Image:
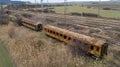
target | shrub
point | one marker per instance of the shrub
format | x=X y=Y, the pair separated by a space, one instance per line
x=4 y=19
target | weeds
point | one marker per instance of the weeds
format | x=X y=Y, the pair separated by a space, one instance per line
x=33 y=49
x=11 y=32
x=4 y=19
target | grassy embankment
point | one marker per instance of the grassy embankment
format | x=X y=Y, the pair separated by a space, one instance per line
x=4 y=58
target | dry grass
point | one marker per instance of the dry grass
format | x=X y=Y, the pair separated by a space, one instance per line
x=33 y=49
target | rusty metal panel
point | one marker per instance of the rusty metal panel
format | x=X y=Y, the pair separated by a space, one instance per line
x=29 y=21
x=80 y=37
x=83 y=46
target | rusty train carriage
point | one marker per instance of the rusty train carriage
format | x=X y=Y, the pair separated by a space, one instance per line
x=31 y=24
x=88 y=44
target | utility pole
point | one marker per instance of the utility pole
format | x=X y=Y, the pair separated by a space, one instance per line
x=48 y=6
x=65 y=9
x=42 y=5
x=43 y=16
x=1 y=9
x=99 y=4
x=35 y=4
x=65 y=6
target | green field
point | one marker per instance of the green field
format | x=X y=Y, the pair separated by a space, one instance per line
x=4 y=58
x=103 y=13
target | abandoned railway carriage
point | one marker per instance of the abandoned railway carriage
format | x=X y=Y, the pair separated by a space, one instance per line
x=35 y=25
x=88 y=44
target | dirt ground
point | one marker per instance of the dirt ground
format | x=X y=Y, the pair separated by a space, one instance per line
x=28 y=48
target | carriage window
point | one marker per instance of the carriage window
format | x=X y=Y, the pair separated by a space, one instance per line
x=97 y=48
x=50 y=31
x=57 y=33
x=86 y=44
x=45 y=29
x=69 y=38
x=92 y=47
x=60 y=34
x=65 y=37
x=53 y=32
x=74 y=40
x=79 y=42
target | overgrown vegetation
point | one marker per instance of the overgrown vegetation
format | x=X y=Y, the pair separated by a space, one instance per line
x=4 y=58
x=4 y=19
x=28 y=48
x=33 y=49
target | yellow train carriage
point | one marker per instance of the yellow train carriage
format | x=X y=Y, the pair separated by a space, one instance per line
x=35 y=25
x=88 y=44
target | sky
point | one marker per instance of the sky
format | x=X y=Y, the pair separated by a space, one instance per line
x=33 y=1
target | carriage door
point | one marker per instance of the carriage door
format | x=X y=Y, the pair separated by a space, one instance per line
x=39 y=27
